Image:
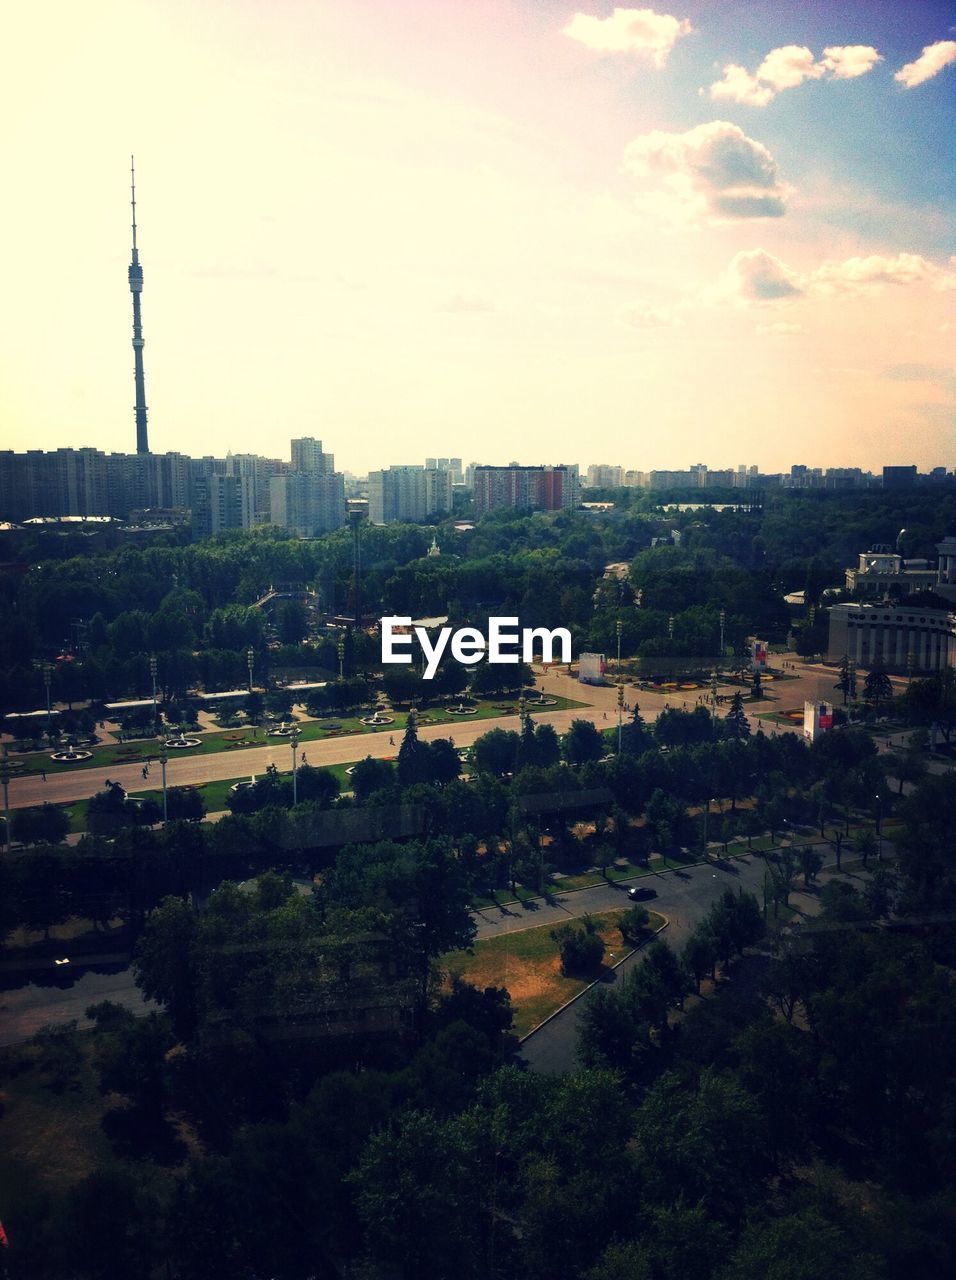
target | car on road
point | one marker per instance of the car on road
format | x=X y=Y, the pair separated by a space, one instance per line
x=638 y=893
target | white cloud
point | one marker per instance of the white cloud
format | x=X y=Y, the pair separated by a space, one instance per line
x=870 y=274
x=740 y=86
x=641 y=31
x=930 y=62
x=757 y=276
x=787 y=67
x=782 y=327
x=848 y=61
x=714 y=169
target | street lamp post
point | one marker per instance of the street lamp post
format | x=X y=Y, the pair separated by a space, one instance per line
x=152 y=672
x=294 y=744
x=670 y=628
x=723 y=619
x=879 y=828
x=340 y=649
x=47 y=677
x=250 y=659
x=163 y=759
x=5 y=781
x=620 y=716
x=706 y=822
x=619 y=627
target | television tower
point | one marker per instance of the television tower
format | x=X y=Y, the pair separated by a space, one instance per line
x=136 y=288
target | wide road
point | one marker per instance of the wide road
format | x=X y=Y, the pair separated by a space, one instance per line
x=600 y=708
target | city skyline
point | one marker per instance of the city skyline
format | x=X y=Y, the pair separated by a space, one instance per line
x=502 y=230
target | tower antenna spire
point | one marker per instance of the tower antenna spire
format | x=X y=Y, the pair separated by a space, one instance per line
x=136 y=288
x=132 y=184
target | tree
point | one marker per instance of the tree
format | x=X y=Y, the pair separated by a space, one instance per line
x=496 y=752
x=580 y=947
x=292 y=622
x=633 y=923
x=111 y=1226
x=700 y=953
x=47 y=824
x=164 y=964
x=736 y=725
x=636 y=738
x=582 y=743
x=877 y=689
x=371 y=775
x=185 y=804
x=415 y=1193
x=864 y=844
x=315 y=786
x=906 y=766
x=810 y=863
x=932 y=702
x=413 y=757
x=130 y=1055
x=444 y=763
x=611 y=1031
x=702 y=1144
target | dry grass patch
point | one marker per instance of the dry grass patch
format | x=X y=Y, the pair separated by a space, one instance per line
x=526 y=962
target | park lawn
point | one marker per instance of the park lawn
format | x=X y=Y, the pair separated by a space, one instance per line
x=528 y=965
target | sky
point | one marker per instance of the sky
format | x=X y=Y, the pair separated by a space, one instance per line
x=718 y=231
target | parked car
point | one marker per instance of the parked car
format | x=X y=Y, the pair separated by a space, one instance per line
x=637 y=893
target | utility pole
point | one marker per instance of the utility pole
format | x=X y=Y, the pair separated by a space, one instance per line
x=163 y=761
x=620 y=716
x=294 y=743
x=47 y=678
x=5 y=782
x=152 y=671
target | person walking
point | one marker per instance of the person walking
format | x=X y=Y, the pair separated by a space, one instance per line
x=43 y=774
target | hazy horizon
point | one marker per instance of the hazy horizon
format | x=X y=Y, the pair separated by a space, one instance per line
x=720 y=232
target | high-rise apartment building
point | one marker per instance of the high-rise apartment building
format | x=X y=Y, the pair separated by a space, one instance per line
x=602 y=476
x=526 y=488
x=308 y=455
x=408 y=493
x=308 y=503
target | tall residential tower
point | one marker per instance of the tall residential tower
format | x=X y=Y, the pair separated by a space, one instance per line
x=136 y=288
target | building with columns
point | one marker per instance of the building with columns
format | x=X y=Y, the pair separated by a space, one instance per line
x=884 y=635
